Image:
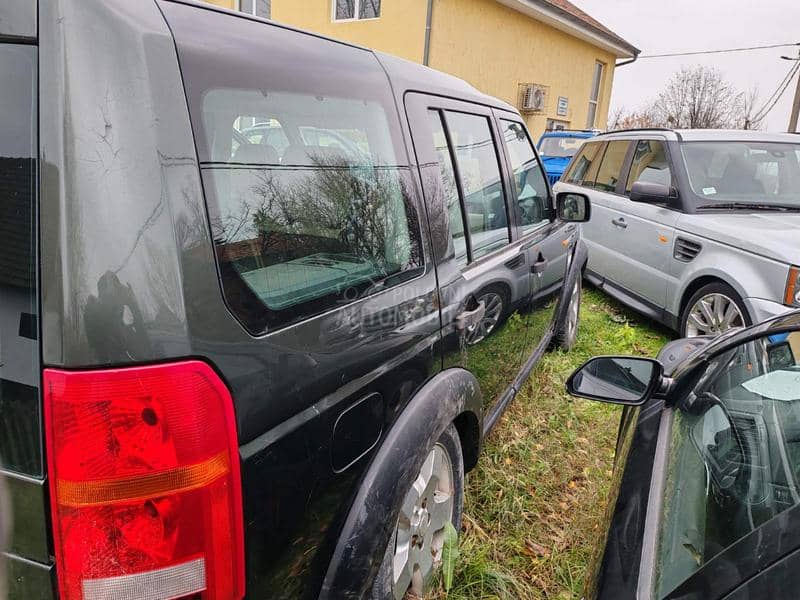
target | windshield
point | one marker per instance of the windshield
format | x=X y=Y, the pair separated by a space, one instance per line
x=753 y=172
x=560 y=147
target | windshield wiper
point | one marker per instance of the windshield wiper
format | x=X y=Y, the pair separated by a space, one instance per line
x=751 y=206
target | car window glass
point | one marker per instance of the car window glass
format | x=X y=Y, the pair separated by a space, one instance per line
x=611 y=166
x=650 y=164
x=560 y=147
x=479 y=169
x=449 y=188
x=318 y=224
x=583 y=168
x=257 y=130
x=744 y=171
x=19 y=301
x=734 y=460
x=530 y=187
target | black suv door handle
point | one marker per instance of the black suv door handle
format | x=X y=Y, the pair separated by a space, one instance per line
x=470 y=318
x=620 y=223
x=540 y=266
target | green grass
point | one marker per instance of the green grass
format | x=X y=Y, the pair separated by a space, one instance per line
x=535 y=502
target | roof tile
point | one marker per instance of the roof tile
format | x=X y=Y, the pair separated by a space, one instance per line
x=572 y=10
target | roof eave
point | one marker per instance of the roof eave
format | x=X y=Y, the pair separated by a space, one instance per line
x=570 y=24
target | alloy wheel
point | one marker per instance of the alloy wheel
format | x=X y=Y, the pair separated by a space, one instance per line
x=712 y=315
x=427 y=508
x=493 y=303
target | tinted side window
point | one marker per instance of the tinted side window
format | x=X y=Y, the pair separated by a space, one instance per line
x=449 y=187
x=650 y=164
x=313 y=225
x=479 y=170
x=583 y=168
x=19 y=347
x=530 y=186
x=733 y=462
x=610 y=168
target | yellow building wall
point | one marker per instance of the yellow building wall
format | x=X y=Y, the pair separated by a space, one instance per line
x=493 y=47
x=400 y=30
x=496 y=48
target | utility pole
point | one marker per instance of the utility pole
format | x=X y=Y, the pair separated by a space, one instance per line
x=795 y=108
x=796 y=105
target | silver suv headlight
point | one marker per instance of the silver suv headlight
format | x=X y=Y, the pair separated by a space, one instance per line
x=792 y=295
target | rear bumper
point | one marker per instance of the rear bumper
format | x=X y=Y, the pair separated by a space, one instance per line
x=762 y=310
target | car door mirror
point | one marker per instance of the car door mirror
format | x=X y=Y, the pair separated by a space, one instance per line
x=572 y=207
x=617 y=379
x=653 y=193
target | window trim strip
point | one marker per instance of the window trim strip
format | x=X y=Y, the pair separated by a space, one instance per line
x=459 y=187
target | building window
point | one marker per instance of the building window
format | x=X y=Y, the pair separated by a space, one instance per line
x=257 y=8
x=350 y=10
x=594 y=96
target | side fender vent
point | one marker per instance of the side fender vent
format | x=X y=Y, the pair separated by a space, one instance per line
x=516 y=262
x=686 y=250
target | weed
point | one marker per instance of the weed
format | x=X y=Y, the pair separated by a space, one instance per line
x=534 y=503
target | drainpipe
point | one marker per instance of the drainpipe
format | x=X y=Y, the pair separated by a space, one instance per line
x=627 y=62
x=428 y=20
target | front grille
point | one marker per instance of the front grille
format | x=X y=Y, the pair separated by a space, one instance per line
x=686 y=250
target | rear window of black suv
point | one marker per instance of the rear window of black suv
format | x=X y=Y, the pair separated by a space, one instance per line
x=320 y=215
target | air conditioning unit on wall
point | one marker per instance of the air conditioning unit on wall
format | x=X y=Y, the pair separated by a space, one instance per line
x=533 y=97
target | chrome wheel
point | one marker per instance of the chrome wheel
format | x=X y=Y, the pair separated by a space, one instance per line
x=494 y=310
x=426 y=509
x=712 y=315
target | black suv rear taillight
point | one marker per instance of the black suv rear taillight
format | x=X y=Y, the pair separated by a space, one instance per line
x=145 y=486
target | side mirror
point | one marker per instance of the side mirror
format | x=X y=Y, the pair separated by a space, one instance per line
x=572 y=207
x=617 y=379
x=653 y=193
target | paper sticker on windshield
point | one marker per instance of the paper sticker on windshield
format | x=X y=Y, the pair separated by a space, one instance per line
x=709 y=191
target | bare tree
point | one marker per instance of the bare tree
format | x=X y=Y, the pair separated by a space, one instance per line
x=695 y=98
x=641 y=119
x=700 y=98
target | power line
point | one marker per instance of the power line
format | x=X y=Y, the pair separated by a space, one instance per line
x=762 y=114
x=780 y=89
x=723 y=51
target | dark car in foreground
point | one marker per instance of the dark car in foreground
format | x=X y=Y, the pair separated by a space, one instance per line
x=236 y=367
x=705 y=497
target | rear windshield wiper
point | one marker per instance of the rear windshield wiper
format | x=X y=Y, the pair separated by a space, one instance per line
x=751 y=206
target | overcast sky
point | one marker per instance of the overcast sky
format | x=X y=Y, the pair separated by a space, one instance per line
x=658 y=27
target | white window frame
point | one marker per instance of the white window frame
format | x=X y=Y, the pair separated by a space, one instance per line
x=595 y=93
x=255 y=9
x=356 y=11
